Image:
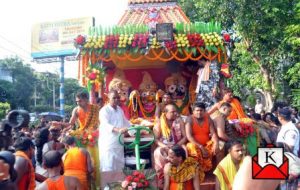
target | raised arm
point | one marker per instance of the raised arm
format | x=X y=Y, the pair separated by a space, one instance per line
x=213 y=109
x=73 y=119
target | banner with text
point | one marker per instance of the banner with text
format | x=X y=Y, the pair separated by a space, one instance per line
x=54 y=39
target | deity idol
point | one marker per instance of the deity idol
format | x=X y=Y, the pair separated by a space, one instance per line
x=122 y=86
x=143 y=102
x=176 y=85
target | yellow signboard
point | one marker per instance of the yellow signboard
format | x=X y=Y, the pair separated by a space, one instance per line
x=54 y=39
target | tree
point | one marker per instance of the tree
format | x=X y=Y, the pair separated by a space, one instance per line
x=261 y=25
x=7 y=91
x=293 y=39
x=23 y=80
x=71 y=88
x=4 y=108
x=44 y=90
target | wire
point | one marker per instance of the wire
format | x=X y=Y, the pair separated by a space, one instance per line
x=16 y=45
x=13 y=52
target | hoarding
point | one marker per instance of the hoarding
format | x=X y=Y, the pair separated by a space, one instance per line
x=54 y=39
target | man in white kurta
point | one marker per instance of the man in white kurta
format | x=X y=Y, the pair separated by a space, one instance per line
x=112 y=123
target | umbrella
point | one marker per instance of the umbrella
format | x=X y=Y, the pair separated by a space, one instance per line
x=51 y=116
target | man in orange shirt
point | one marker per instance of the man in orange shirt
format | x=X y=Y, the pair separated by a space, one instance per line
x=56 y=181
x=87 y=116
x=237 y=113
x=77 y=162
x=203 y=141
x=237 y=109
x=23 y=165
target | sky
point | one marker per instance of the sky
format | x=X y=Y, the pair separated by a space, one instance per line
x=17 y=18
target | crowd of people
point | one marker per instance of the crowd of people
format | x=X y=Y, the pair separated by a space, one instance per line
x=186 y=149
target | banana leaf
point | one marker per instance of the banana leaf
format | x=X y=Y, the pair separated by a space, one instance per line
x=214 y=49
x=194 y=50
x=180 y=51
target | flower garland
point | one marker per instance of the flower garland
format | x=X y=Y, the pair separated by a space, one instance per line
x=95 y=77
x=137 y=38
x=247 y=128
x=87 y=137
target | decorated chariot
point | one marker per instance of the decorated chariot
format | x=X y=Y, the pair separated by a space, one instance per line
x=154 y=50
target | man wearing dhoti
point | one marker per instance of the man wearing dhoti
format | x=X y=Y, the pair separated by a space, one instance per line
x=168 y=131
x=87 y=117
x=113 y=123
x=203 y=141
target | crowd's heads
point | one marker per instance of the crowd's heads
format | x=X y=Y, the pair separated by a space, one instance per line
x=284 y=114
x=69 y=140
x=176 y=155
x=55 y=132
x=9 y=158
x=5 y=135
x=42 y=137
x=199 y=109
x=235 y=148
x=256 y=116
x=24 y=144
x=277 y=106
x=52 y=159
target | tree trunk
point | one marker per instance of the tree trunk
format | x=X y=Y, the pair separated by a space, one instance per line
x=267 y=75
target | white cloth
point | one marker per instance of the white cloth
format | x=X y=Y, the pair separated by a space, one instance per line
x=259 y=108
x=289 y=135
x=112 y=153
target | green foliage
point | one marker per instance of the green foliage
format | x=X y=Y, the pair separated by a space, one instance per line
x=293 y=40
x=293 y=74
x=6 y=91
x=28 y=87
x=41 y=108
x=270 y=37
x=296 y=98
x=68 y=110
x=211 y=10
x=245 y=73
x=4 y=108
x=251 y=100
x=22 y=88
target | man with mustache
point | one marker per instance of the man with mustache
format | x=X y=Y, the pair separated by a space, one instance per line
x=228 y=167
